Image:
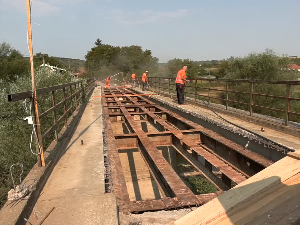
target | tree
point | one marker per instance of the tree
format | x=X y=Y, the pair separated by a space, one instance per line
x=98 y=42
x=104 y=59
x=258 y=66
x=39 y=58
x=174 y=65
x=12 y=63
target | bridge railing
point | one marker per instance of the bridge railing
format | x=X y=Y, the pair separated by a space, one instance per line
x=56 y=104
x=252 y=96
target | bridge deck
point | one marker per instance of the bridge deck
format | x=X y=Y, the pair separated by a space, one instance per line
x=272 y=134
x=76 y=185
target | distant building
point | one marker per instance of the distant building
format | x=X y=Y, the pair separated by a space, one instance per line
x=53 y=68
x=294 y=67
x=294 y=57
x=80 y=73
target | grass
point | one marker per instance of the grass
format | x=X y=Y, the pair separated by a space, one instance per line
x=200 y=185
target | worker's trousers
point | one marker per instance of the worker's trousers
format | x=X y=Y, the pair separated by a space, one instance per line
x=180 y=93
x=144 y=85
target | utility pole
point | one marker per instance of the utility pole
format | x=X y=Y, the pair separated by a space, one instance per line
x=40 y=152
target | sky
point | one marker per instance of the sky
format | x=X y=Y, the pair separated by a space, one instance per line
x=194 y=29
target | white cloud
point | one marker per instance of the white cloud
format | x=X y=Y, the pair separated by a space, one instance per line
x=39 y=7
x=145 y=16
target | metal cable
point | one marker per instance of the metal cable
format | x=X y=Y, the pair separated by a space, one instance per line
x=11 y=175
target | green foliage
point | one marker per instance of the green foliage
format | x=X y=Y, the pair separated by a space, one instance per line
x=71 y=64
x=174 y=65
x=104 y=60
x=200 y=185
x=296 y=61
x=52 y=61
x=12 y=63
x=14 y=131
x=258 y=66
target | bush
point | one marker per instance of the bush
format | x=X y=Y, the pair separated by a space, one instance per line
x=200 y=185
x=14 y=132
x=259 y=66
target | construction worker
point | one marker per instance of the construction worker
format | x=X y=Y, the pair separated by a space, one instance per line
x=180 y=85
x=133 y=76
x=107 y=83
x=144 y=79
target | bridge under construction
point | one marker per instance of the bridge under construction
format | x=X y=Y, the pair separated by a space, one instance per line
x=136 y=157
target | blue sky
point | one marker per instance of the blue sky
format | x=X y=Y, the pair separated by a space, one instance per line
x=198 y=29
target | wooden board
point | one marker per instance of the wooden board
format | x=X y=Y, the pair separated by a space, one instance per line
x=271 y=178
x=268 y=208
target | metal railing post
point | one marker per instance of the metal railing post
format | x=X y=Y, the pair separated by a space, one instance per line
x=65 y=106
x=251 y=99
x=226 y=95
x=195 y=90
x=54 y=116
x=209 y=92
x=83 y=92
x=287 y=103
x=71 y=98
x=169 y=87
x=75 y=96
x=159 y=80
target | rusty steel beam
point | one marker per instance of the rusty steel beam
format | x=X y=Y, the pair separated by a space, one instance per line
x=166 y=203
x=219 y=164
x=220 y=139
x=185 y=136
x=117 y=175
x=132 y=105
x=169 y=177
x=132 y=113
x=178 y=134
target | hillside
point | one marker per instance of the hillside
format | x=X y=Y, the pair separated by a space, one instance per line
x=72 y=64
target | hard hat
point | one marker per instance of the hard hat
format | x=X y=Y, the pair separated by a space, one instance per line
x=146 y=71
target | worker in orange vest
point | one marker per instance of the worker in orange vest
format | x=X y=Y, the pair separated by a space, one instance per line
x=133 y=76
x=107 y=83
x=144 y=79
x=180 y=85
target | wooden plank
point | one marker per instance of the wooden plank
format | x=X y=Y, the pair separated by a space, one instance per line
x=244 y=192
x=19 y=96
x=28 y=94
x=272 y=206
x=54 y=88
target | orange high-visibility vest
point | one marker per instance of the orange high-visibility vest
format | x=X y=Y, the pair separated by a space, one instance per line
x=133 y=76
x=144 y=77
x=180 y=76
x=107 y=83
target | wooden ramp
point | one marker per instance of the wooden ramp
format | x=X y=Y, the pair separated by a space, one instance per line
x=269 y=197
